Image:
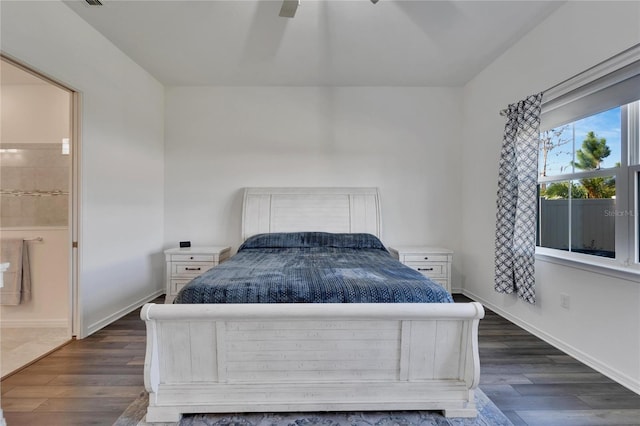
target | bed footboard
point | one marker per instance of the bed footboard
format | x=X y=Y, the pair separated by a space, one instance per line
x=311 y=357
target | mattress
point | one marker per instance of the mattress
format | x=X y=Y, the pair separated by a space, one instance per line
x=312 y=267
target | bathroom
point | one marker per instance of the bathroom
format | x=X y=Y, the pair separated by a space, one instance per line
x=36 y=206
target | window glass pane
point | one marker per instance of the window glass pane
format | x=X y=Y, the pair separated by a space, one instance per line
x=553 y=216
x=555 y=151
x=578 y=216
x=591 y=143
x=593 y=216
x=597 y=141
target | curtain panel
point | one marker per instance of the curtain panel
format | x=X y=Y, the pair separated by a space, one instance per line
x=516 y=214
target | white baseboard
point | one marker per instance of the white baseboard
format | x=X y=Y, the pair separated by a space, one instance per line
x=98 y=325
x=35 y=323
x=623 y=379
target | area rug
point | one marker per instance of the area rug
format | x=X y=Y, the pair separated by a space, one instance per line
x=488 y=415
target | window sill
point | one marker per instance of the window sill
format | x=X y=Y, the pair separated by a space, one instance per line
x=602 y=266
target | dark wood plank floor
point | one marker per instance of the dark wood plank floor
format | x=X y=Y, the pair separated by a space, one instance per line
x=534 y=383
x=92 y=381
x=87 y=382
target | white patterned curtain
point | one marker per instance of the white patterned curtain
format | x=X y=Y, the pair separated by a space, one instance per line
x=517 y=200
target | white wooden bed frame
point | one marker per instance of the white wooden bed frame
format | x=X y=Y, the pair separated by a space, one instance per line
x=208 y=358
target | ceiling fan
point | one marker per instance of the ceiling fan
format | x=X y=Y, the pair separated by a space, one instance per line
x=289 y=7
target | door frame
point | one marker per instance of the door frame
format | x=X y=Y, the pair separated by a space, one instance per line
x=75 y=120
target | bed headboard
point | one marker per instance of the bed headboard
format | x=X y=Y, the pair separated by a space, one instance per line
x=354 y=210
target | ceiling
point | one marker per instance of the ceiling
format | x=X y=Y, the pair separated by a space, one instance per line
x=328 y=42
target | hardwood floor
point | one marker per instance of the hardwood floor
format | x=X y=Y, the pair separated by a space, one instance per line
x=534 y=383
x=92 y=381
x=87 y=382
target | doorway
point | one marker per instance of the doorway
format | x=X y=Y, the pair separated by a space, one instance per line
x=37 y=214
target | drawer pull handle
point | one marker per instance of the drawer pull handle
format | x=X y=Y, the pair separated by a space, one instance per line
x=191 y=269
x=191 y=258
x=425 y=269
x=426 y=258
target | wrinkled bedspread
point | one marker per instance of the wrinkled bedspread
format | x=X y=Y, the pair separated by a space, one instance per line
x=317 y=269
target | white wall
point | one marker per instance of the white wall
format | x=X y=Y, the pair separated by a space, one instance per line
x=122 y=153
x=50 y=293
x=406 y=141
x=602 y=326
x=34 y=113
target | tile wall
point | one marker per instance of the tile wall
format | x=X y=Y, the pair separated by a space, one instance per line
x=34 y=184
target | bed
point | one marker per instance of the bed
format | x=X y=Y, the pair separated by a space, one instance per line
x=307 y=344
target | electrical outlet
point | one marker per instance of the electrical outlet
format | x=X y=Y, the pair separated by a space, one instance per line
x=565 y=300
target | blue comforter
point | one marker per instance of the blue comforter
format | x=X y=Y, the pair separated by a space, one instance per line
x=312 y=267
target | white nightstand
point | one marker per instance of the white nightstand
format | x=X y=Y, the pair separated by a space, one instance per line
x=432 y=262
x=184 y=264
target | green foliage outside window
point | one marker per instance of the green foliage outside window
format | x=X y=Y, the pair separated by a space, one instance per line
x=594 y=150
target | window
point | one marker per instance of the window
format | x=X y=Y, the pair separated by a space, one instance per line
x=578 y=165
x=589 y=167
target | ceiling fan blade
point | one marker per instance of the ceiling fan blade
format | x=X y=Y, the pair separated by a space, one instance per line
x=289 y=7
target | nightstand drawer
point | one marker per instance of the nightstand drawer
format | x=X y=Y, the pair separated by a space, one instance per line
x=430 y=269
x=432 y=262
x=176 y=285
x=192 y=258
x=425 y=257
x=441 y=282
x=185 y=264
x=191 y=269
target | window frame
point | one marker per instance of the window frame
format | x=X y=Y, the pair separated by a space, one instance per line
x=626 y=264
x=564 y=103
